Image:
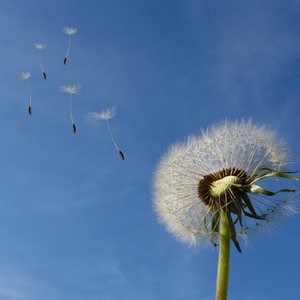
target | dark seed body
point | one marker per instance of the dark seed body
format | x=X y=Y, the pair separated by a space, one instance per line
x=29 y=110
x=44 y=75
x=74 y=128
x=121 y=155
x=65 y=61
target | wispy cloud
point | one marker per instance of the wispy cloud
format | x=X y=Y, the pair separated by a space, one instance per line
x=19 y=285
x=250 y=54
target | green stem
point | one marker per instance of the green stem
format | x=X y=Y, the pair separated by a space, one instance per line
x=224 y=254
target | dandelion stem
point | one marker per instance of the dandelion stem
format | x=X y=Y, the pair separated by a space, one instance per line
x=71 y=115
x=29 y=91
x=41 y=64
x=112 y=138
x=69 y=47
x=224 y=255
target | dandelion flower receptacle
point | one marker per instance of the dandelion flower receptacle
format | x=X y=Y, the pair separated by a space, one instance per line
x=25 y=76
x=106 y=115
x=71 y=90
x=69 y=31
x=206 y=189
x=41 y=47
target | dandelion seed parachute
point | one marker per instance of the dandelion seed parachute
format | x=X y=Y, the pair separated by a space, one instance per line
x=69 y=31
x=121 y=154
x=25 y=76
x=197 y=179
x=40 y=47
x=71 y=90
x=107 y=115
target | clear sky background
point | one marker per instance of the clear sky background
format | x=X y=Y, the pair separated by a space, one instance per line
x=78 y=223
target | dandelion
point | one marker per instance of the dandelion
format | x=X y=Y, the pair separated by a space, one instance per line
x=69 y=31
x=71 y=89
x=207 y=188
x=25 y=76
x=107 y=115
x=41 y=47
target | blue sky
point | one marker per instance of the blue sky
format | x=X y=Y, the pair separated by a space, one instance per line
x=78 y=223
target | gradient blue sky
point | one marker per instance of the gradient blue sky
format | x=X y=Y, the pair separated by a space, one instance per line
x=75 y=221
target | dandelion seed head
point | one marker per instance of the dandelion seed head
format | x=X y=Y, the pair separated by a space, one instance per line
x=69 y=30
x=214 y=171
x=104 y=115
x=24 y=75
x=40 y=46
x=70 y=89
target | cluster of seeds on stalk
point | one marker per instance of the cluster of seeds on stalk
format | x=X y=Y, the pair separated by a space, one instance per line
x=226 y=179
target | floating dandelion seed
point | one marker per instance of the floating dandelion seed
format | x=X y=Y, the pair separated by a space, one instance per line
x=107 y=115
x=25 y=76
x=40 y=47
x=69 y=31
x=71 y=89
x=206 y=188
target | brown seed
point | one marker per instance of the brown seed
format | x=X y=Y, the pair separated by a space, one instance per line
x=65 y=61
x=29 y=110
x=74 y=128
x=121 y=155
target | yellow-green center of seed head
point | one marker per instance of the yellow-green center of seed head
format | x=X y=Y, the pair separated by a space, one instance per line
x=221 y=186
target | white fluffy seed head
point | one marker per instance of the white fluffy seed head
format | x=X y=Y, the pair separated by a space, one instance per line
x=69 y=30
x=70 y=89
x=106 y=114
x=24 y=75
x=40 y=46
x=239 y=144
